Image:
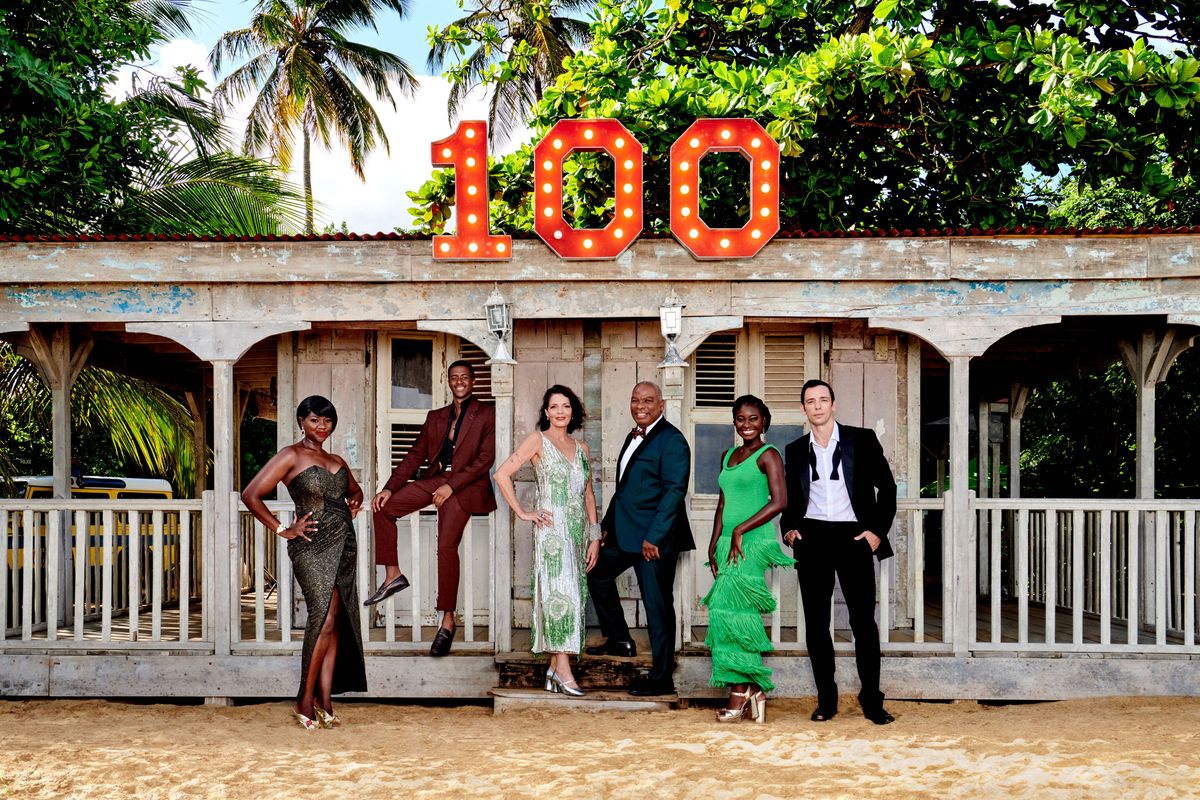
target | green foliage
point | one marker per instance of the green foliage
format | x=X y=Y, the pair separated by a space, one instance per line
x=1078 y=437
x=906 y=113
x=72 y=159
x=120 y=425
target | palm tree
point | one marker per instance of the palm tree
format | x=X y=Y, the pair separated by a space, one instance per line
x=144 y=424
x=302 y=69
x=529 y=35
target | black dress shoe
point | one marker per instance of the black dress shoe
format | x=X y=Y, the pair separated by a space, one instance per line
x=878 y=716
x=613 y=647
x=644 y=687
x=822 y=715
x=441 y=642
x=387 y=590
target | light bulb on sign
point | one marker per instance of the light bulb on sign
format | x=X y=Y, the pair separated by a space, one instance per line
x=466 y=151
x=591 y=135
x=725 y=135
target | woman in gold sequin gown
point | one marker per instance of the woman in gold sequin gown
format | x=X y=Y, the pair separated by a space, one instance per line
x=323 y=551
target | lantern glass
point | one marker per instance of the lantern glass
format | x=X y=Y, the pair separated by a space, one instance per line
x=671 y=318
x=499 y=317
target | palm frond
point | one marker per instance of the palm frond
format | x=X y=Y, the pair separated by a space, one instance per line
x=169 y=17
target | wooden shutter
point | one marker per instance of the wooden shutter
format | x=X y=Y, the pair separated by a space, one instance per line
x=467 y=351
x=783 y=370
x=716 y=371
x=403 y=438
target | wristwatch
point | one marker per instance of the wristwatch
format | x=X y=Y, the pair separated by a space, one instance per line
x=280 y=529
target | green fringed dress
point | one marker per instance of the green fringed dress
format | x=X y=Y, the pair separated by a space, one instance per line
x=740 y=596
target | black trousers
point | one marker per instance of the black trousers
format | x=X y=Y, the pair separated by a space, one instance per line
x=826 y=549
x=657 y=582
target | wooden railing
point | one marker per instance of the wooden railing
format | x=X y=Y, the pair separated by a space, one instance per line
x=123 y=572
x=1081 y=575
x=273 y=607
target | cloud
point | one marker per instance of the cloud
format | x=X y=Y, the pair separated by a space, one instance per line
x=381 y=202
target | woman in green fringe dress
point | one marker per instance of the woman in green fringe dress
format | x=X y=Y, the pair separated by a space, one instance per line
x=566 y=535
x=743 y=547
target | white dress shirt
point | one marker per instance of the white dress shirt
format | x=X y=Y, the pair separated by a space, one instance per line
x=633 y=447
x=828 y=499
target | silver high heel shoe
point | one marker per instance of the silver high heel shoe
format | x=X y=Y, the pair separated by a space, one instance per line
x=550 y=676
x=758 y=706
x=570 y=687
x=736 y=714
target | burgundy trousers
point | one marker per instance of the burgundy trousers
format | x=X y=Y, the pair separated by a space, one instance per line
x=452 y=521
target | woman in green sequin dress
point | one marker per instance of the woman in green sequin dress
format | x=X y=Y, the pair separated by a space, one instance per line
x=743 y=547
x=566 y=535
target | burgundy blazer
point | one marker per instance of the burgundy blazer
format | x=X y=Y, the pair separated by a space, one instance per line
x=474 y=453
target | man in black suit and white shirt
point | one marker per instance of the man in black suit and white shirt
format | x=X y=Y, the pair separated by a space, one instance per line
x=841 y=503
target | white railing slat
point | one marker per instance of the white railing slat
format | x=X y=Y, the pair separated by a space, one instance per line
x=4 y=569
x=133 y=546
x=285 y=597
x=82 y=551
x=260 y=582
x=362 y=574
x=467 y=582
x=53 y=564
x=777 y=614
x=1133 y=614
x=106 y=560
x=1106 y=574
x=917 y=554
x=1160 y=577
x=1189 y=578
x=27 y=530
x=156 y=578
x=417 y=588
x=1051 y=602
x=995 y=528
x=1077 y=576
x=185 y=571
x=885 y=599
x=1023 y=576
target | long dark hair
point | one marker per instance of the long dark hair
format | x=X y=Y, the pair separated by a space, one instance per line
x=316 y=404
x=578 y=415
x=757 y=404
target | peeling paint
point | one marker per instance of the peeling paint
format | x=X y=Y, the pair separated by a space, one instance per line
x=1183 y=258
x=122 y=301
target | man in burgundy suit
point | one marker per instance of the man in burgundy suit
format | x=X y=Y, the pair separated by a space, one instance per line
x=458 y=443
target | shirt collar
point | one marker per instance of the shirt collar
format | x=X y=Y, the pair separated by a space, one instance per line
x=834 y=438
x=650 y=427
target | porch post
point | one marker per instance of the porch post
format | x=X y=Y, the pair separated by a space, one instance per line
x=1017 y=399
x=1148 y=359
x=224 y=569
x=957 y=546
x=502 y=556
x=59 y=361
x=197 y=404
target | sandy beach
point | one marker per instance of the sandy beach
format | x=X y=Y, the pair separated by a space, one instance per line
x=1119 y=748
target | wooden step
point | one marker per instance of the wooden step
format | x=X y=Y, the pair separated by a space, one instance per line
x=504 y=700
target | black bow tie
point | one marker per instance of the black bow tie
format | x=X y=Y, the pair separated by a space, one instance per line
x=837 y=459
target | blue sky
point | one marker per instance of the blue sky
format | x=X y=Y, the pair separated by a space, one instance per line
x=379 y=203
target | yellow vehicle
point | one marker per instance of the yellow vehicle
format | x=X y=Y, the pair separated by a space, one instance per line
x=41 y=487
x=87 y=486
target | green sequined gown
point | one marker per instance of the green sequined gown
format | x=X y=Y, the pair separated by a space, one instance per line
x=328 y=562
x=560 y=552
x=740 y=595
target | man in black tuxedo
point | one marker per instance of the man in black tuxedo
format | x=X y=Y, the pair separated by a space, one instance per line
x=645 y=527
x=841 y=503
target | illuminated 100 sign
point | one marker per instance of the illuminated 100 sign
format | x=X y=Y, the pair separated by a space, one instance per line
x=466 y=151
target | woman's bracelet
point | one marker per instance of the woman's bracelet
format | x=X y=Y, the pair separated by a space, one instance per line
x=593 y=532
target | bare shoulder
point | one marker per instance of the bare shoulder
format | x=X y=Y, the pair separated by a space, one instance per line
x=586 y=451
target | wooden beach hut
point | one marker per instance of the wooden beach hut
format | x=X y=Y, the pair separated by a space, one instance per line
x=991 y=595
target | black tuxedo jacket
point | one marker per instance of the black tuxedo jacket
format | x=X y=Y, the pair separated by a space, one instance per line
x=868 y=478
x=650 y=502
